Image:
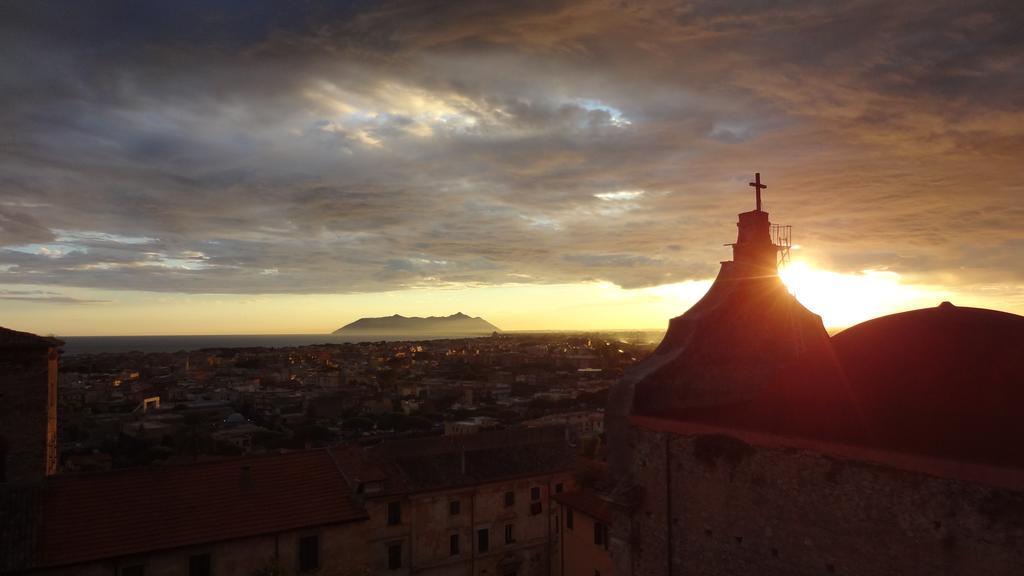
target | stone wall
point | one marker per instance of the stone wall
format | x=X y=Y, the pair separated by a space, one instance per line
x=24 y=402
x=582 y=556
x=378 y=535
x=740 y=508
x=429 y=525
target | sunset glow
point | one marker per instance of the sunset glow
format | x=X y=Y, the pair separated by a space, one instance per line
x=846 y=299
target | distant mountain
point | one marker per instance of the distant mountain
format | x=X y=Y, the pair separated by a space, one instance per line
x=457 y=324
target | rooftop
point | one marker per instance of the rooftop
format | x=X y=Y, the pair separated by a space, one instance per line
x=587 y=502
x=437 y=462
x=110 y=514
x=15 y=339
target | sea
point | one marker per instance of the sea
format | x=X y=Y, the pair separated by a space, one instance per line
x=119 y=344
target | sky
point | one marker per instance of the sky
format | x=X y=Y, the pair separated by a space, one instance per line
x=269 y=167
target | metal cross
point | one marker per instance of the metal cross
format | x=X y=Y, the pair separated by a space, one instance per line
x=758 y=186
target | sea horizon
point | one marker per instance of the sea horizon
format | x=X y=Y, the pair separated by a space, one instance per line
x=187 y=342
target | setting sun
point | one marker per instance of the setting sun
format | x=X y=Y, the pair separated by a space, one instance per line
x=846 y=299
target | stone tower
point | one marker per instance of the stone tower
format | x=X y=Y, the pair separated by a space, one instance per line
x=725 y=348
x=28 y=406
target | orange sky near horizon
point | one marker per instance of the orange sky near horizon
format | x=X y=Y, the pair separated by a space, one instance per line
x=841 y=299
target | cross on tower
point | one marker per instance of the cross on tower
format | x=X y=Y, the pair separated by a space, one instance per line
x=758 y=186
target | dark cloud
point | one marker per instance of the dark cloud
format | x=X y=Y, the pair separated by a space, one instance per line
x=45 y=297
x=19 y=227
x=297 y=148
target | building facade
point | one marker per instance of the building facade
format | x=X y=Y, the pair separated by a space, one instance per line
x=727 y=501
x=28 y=406
x=473 y=505
x=584 y=534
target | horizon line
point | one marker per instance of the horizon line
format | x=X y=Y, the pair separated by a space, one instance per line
x=433 y=336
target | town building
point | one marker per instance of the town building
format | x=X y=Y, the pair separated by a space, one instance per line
x=471 y=425
x=473 y=505
x=582 y=424
x=583 y=534
x=289 y=511
x=28 y=406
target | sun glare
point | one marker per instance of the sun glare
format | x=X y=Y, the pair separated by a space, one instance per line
x=846 y=299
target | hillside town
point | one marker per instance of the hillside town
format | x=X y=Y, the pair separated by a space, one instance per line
x=119 y=410
x=445 y=457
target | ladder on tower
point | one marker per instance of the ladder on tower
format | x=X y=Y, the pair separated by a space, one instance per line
x=782 y=238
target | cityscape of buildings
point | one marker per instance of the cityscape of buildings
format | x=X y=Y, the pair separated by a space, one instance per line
x=123 y=409
x=439 y=456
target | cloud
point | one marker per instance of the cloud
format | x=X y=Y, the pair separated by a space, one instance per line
x=327 y=148
x=45 y=297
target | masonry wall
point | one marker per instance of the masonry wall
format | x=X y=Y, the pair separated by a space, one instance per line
x=27 y=427
x=582 y=556
x=378 y=535
x=342 y=553
x=428 y=524
x=742 y=509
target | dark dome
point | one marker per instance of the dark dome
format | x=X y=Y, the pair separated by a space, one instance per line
x=945 y=381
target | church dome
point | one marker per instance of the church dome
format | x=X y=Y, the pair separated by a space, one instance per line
x=944 y=381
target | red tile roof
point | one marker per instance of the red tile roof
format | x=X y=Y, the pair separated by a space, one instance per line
x=109 y=514
x=356 y=466
x=445 y=462
x=586 y=502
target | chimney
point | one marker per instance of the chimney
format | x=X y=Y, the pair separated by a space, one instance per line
x=245 y=479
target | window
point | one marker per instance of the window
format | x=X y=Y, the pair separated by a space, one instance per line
x=483 y=540
x=454 y=507
x=510 y=536
x=309 y=553
x=535 y=493
x=568 y=518
x=394 y=513
x=601 y=535
x=535 y=508
x=559 y=488
x=133 y=570
x=394 y=556
x=510 y=499
x=453 y=545
x=199 y=565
